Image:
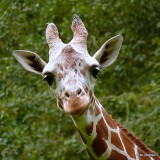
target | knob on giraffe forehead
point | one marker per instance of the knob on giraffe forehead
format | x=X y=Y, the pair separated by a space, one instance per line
x=80 y=33
x=52 y=36
x=78 y=28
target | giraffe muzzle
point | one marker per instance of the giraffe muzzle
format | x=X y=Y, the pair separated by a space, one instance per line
x=76 y=105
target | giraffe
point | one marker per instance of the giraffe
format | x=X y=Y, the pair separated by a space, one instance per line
x=71 y=73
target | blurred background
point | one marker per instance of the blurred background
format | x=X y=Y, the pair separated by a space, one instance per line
x=31 y=126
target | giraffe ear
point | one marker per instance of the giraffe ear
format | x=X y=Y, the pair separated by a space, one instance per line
x=30 y=61
x=109 y=51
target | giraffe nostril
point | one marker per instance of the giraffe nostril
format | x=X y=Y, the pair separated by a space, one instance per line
x=79 y=91
x=67 y=94
x=75 y=93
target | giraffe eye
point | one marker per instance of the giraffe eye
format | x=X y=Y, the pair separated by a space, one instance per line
x=95 y=72
x=49 y=79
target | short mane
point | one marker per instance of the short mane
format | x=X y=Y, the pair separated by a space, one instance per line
x=137 y=141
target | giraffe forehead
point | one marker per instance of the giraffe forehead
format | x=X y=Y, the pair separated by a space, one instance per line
x=69 y=58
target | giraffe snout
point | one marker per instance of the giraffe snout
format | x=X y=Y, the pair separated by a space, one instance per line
x=73 y=93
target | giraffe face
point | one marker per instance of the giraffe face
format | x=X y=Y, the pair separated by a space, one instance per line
x=71 y=71
x=71 y=74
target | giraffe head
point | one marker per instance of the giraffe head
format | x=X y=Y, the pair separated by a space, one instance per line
x=71 y=72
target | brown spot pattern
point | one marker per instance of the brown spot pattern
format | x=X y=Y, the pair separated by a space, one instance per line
x=108 y=119
x=86 y=89
x=129 y=145
x=116 y=141
x=115 y=156
x=136 y=141
x=89 y=128
x=96 y=111
x=60 y=76
x=71 y=58
x=142 y=155
x=68 y=50
x=90 y=94
x=99 y=145
x=60 y=67
x=92 y=100
x=60 y=104
x=83 y=72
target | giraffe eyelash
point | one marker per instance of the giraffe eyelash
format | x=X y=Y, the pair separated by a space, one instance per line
x=49 y=78
x=94 y=71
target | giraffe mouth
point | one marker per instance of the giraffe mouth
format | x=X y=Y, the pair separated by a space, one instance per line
x=76 y=106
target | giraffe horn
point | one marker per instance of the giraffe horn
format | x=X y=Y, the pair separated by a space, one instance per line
x=79 y=30
x=52 y=35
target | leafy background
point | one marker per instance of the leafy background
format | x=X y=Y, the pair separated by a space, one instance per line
x=31 y=126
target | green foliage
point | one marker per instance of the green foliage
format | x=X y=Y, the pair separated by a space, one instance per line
x=31 y=126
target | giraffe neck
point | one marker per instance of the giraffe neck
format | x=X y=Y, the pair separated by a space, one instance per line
x=104 y=138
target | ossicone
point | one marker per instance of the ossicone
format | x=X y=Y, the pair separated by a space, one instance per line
x=79 y=31
x=52 y=35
